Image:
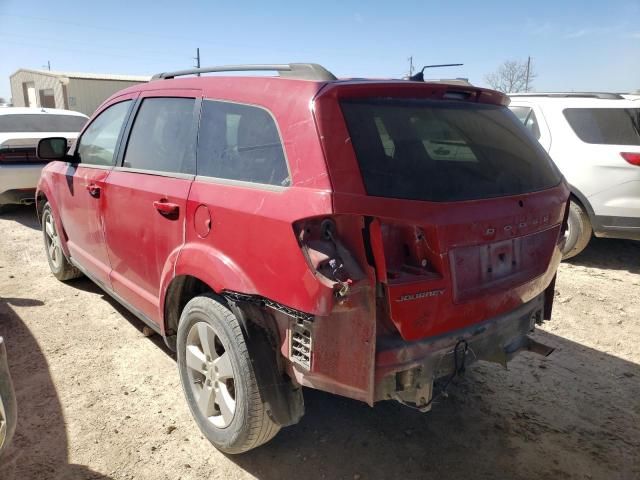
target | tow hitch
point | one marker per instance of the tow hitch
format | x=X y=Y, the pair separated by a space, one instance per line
x=415 y=387
x=431 y=365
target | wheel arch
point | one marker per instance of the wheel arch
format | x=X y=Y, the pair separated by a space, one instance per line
x=284 y=399
x=180 y=290
x=192 y=270
x=582 y=201
x=44 y=195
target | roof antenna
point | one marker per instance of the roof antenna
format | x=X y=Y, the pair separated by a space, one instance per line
x=419 y=77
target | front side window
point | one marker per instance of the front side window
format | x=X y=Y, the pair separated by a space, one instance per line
x=443 y=150
x=240 y=142
x=162 y=136
x=98 y=142
x=608 y=126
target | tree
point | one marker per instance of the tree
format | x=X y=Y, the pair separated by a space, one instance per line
x=511 y=77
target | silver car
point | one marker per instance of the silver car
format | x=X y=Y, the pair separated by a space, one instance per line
x=594 y=139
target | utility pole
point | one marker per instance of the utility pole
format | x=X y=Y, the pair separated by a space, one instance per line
x=526 y=82
x=48 y=65
x=410 y=65
x=197 y=58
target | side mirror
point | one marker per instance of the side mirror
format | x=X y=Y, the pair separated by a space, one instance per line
x=53 y=148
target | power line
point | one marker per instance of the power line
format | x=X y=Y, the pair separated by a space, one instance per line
x=88 y=52
x=164 y=36
x=93 y=27
x=59 y=45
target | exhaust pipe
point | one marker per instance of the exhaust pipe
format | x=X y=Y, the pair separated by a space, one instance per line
x=27 y=201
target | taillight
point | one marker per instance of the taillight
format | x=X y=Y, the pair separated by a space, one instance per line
x=404 y=251
x=327 y=255
x=18 y=155
x=632 y=158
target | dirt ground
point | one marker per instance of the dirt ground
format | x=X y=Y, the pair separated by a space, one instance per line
x=98 y=400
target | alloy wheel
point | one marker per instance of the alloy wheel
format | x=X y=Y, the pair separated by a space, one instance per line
x=211 y=376
x=52 y=240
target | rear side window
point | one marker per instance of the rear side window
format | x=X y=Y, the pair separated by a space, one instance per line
x=528 y=118
x=444 y=151
x=609 y=126
x=162 y=137
x=41 y=122
x=521 y=113
x=240 y=142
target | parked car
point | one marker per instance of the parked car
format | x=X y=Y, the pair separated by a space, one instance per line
x=20 y=130
x=594 y=138
x=8 y=410
x=361 y=237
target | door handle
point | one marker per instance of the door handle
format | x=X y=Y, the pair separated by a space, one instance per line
x=165 y=208
x=93 y=189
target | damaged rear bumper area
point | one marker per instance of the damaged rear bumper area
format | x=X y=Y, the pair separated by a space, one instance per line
x=406 y=371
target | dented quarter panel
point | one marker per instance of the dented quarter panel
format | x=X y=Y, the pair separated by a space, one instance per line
x=343 y=358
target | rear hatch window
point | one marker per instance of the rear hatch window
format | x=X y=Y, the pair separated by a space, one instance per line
x=605 y=126
x=19 y=123
x=444 y=150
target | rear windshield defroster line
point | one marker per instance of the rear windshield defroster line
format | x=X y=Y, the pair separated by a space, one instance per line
x=444 y=151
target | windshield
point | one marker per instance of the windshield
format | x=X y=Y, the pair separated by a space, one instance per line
x=444 y=151
x=608 y=126
x=32 y=122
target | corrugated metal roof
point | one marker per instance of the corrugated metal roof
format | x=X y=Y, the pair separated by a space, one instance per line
x=91 y=76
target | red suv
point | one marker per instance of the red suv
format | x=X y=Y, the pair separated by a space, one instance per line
x=363 y=237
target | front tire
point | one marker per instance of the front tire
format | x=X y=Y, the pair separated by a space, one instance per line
x=218 y=379
x=58 y=263
x=579 y=231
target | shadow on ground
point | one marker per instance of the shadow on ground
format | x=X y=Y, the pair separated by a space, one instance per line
x=574 y=414
x=610 y=253
x=23 y=214
x=86 y=285
x=532 y=414
x=40 y=446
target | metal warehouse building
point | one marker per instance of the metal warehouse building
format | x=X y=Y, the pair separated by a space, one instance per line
x=82 y=92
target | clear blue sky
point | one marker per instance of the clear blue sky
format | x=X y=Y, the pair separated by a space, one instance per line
x=575 y=45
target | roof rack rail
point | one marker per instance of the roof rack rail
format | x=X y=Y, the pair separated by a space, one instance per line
x=603 y=95
x=303 y=71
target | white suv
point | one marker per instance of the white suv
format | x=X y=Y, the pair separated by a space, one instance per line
x=20 y=131
x=594 y=138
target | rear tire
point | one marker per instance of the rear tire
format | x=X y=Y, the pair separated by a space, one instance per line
x=218 y=379
x=58 y=263
x=579 y=231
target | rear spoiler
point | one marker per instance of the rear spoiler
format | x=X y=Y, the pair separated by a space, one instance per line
x=437 y=90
